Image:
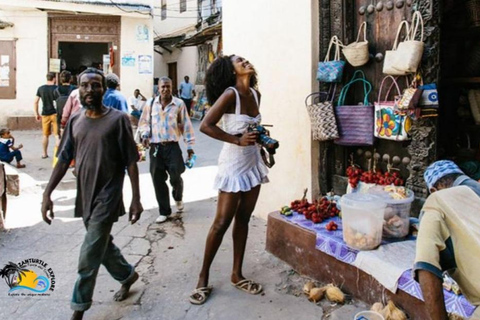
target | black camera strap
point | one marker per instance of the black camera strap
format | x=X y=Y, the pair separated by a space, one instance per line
x=271 y=160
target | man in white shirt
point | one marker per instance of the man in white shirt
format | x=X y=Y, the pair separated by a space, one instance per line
x=136 y=103
x=187 y=92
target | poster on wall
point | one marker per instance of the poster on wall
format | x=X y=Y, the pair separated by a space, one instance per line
x=128 y=59
x=4 y=71
x=142 y=33
x=145 y=65
x=106 y=64
x=54 y=65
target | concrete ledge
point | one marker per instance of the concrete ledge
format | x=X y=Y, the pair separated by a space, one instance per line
x=13 y=180
x=296 y=246
x=23 y=123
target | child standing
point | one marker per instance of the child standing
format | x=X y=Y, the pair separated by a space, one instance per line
x=6 y=143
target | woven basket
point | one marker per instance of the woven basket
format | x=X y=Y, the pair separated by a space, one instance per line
x=322 y=118
x=356 y=52
x=473 y=9
x=409 y=52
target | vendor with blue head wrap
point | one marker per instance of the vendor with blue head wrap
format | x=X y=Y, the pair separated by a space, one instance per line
x=449 y=237
x=444 y=174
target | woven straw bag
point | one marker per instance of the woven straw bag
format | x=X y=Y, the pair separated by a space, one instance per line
x=331 y=70
x=391 y=55
x=322 y=116
x=409 y=52
x=355 y=122
x=356 y=52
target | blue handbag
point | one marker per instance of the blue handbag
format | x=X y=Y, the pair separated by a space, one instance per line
x=331 y=70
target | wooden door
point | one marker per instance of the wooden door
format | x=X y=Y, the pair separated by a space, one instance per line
x=172 y=74
x=8 y=69
x=343 y=18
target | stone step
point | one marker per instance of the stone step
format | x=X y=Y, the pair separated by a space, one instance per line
x=15 y=123
x=13 y=180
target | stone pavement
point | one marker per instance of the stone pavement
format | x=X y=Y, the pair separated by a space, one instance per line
x=167 y=256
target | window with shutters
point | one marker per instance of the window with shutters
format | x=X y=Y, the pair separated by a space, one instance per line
x=8 y=77
x=183 y=6
x=164 y=10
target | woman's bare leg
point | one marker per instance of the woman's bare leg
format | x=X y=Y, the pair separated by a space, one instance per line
x=247 y=204
x=226 y=208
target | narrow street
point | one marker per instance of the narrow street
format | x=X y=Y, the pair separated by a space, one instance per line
x=167 y=256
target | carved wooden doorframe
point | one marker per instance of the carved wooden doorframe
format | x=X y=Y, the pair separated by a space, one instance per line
x=86 y=28
x=337 y=17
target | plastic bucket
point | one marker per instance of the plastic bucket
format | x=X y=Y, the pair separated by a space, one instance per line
x=368 y=315
x=362 y=218
x=397 y=213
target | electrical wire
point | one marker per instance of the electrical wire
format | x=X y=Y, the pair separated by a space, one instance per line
x=129 y=11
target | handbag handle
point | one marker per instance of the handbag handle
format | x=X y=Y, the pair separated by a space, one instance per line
x=331 y=91
x=366 y=84
x=417 y=20
x=399 y=30
x=388 y=93
x=364 y=26
x=337 y=43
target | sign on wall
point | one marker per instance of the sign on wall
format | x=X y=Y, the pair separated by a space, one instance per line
x=142 y=33
x=145 y=65
x=54 y=65
x=128 y=59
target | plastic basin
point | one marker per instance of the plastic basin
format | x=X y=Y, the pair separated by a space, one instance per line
x=362 y=217
x=368 y=315
x=397 y=213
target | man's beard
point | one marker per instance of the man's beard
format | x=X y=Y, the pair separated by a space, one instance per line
x=96 y=104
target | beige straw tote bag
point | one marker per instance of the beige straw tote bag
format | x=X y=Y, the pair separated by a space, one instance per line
x=391 y=55
x=409 y=52
x=356 y=52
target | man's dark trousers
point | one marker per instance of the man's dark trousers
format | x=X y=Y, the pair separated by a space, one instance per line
x=188 y=104
x=98 y=249
x=166 y=161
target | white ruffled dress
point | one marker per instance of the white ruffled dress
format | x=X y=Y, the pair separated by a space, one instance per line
x=240 y=168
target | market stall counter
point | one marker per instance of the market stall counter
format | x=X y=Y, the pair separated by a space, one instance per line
x=371 y=276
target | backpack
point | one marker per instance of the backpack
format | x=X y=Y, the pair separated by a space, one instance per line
x=61 y=100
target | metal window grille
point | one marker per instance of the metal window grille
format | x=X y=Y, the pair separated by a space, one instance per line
x=183 y=6
x=164 y=9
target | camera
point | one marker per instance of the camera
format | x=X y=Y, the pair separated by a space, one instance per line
x=263 y=139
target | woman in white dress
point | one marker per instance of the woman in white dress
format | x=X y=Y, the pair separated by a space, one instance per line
x=230 y=85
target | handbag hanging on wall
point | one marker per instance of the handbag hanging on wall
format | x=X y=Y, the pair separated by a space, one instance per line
x=390 y=122
x=322 y=116
x=411 y=96
x=409 y=52
x=356 y=52
x=331 y=70
x=391 y=55
x=355 y=122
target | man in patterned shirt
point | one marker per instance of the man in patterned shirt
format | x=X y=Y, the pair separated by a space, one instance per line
x=161 y=125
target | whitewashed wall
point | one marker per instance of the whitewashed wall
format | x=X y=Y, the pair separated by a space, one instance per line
x=280 y=38
x=31 y=56
x=130 y=76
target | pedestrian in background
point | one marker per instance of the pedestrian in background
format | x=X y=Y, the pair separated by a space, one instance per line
x=187 y=93
x=168 y=120
x=8 y=150
x=113 y=98
x=231 y=91
x=61 y=95
x=137 y=101
x=49 y=113
x=100 y=139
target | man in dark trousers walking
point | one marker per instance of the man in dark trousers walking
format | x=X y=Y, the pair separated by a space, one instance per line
x=100 y=140
x=162 y=124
